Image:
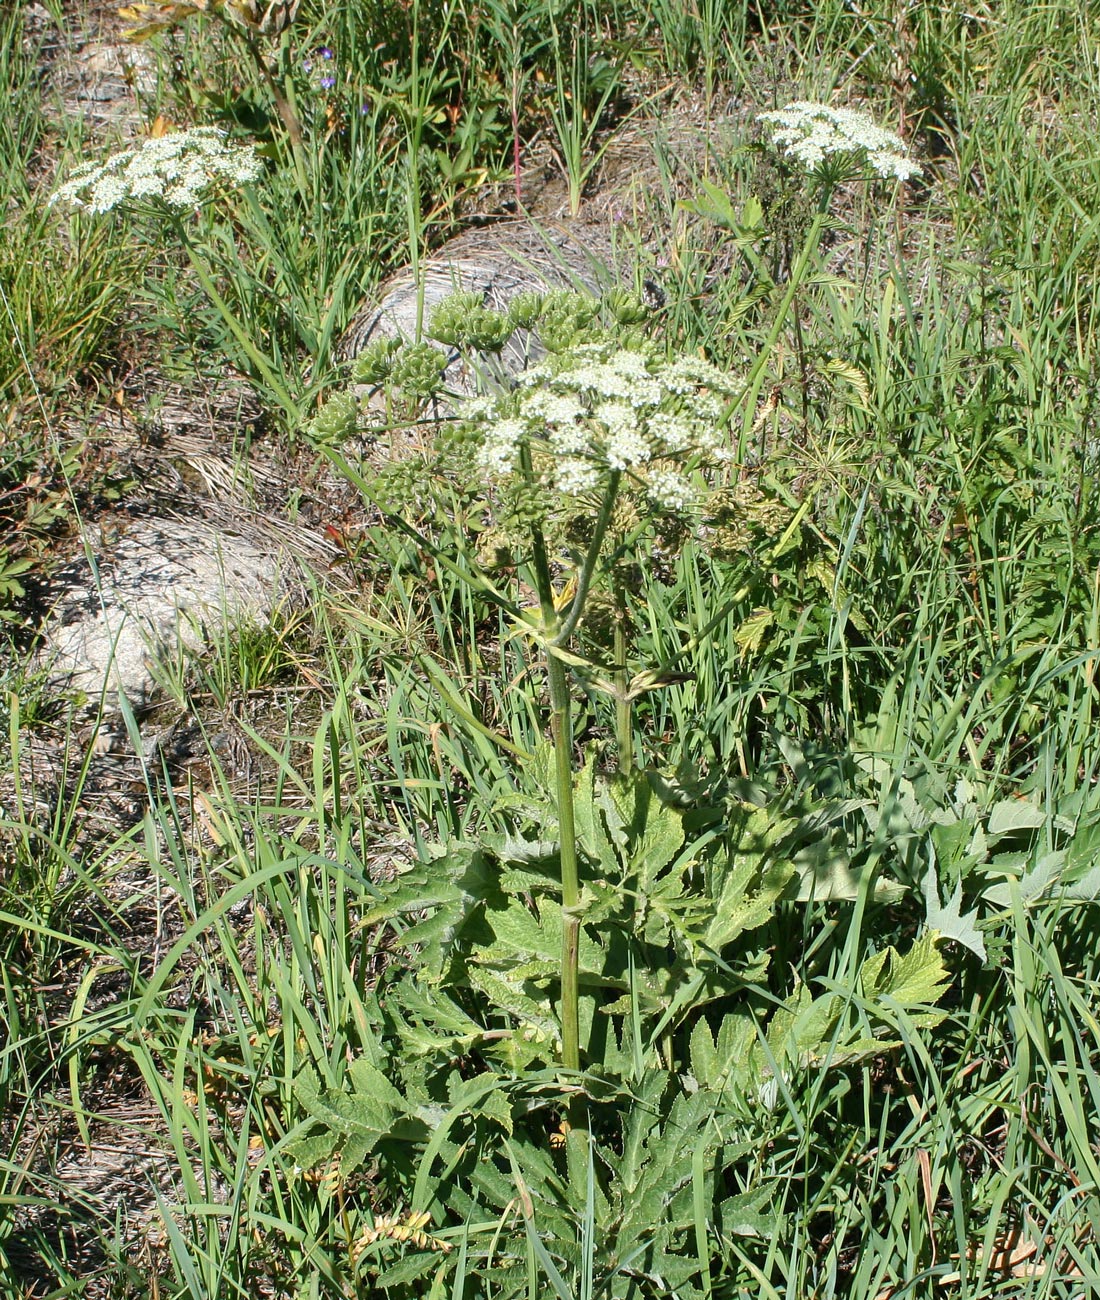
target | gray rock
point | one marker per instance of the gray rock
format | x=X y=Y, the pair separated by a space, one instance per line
x=120 y=617
x=499 y=262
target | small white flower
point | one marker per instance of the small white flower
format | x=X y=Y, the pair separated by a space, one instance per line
x=554 y=408
x=689 y=374
x=499 y=452
x=670 y=490
x=567 y=439
x=601 y=379
x=176 y=169
x=573 y=476
x=673 y=433
x=707 y=406
x=626 y=443
x=616 y=380
x=631 y=365
x=616 y=417
x=602 y=409
x=627 y=449
x=811 y=133
x=477 y=408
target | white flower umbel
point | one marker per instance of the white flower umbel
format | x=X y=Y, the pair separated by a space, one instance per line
x=499 y=455
x=601 y=410
x=176 y=170
x=814 y=134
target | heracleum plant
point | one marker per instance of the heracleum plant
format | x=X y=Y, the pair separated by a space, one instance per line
x=598 y=451
x=601 y=448
x=167 y=179
x=832 y=146
x=591 y=930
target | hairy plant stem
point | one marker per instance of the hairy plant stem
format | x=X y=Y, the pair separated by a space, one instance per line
x=561 y=733
x=755 y=380
x=556 y=633
x=624 y=733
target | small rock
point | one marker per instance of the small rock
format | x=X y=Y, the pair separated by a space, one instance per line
x=165 y=584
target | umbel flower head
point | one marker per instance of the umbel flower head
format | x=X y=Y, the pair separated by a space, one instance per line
x=602 y=408
x=813 y=134
x=173 y=169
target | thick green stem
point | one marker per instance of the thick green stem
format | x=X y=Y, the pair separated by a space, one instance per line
x=624 y=732
x=561 y=731
x=755 y=379
x=591 y=559
x=556 y=633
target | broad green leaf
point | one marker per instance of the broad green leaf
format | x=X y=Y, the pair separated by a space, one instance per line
x=648 y=831
x=642 y=1111
x=368 y=1081
x=736 y=1038
x=1009 y=815
x=660 y=841
x=825 y=874
x=954 y=843
x=916 y=978
x=314 y=1150
x=489 y=1102
x=745 y=1215
x=703 y=1055
x=448 y=893
x=591 y=837
x=749 y=636
x=527 y=941
x=355 y=1120
x=801 y=1031
x=668 y=1170
x=429 y=1015
x=947 y=920
x=400 y=1272
x=747 y=897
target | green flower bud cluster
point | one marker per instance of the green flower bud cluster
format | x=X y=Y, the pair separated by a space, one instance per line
x=742 y=520
x=458 y=440
x=336 y=421
x=462 y=320
x=374 y=363
x=562 y=319
x=626 y=307
x=400 y=485
x=524 y=505
x=417 y=370
x=495 y=550
x=525 y=309
x=605 y=610
x=448 y=320
x=566 y=320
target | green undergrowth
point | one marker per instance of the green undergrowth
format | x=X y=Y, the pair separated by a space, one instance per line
x=833 y=763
